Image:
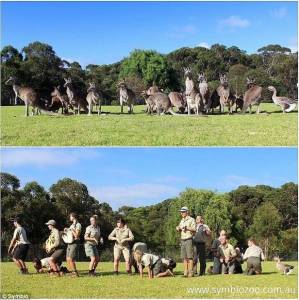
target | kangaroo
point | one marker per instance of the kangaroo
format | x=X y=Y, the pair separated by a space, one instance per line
x=252 y=96
x=93 y=97
x=28 y=96
x=225 y=96
x=284 y=268
x=75 y=101
x=285 y=103
x=126 y=95
x=59 y=100
x=193 y=98
x=177 y=100
x=204 y=91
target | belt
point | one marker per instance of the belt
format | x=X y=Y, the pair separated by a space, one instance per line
x=186 y=239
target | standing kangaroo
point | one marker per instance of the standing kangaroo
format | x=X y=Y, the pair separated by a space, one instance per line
x=204 y=91
x=73 y=98
x=252 y=96
x=193 y=98
x=127 y=96
x=26 y=94
x=225 y=97
x=93 y=98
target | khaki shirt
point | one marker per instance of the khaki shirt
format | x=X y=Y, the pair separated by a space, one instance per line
x=189 y=222
x=77 y=226
x=93 y=232
x=227 y=250
x=254 y=251
x=149 y=260
x=121 y=236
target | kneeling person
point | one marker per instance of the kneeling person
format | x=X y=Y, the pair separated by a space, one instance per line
x=153 y=263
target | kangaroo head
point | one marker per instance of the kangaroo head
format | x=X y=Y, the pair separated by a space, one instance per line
x=187 y=72
x=201 y=77
x=250 y=82
x=92 y=86
x=223 y=80
x=10 y=81
x=68 y=82
x=271 y=88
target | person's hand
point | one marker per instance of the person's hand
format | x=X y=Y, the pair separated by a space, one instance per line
x=221 y=259
x=227 y=259
x=101 y=240
x=178 y=228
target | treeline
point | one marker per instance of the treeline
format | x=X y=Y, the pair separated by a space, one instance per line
x=38 y=66
x=269 y=214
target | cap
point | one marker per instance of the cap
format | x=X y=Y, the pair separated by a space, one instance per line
x=184 y=209
x=51 y=222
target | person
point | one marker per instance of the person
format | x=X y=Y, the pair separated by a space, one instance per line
x=238 y=261
x=226 y=254
x=72 y=248
x=92 y=238
x=43 y=266
x=141 y=247
x=153 y=263
x=214 y=249
x=254 y=256
x=201 y=236
x=19 y=246
x=187 y=230
x=54 y=247
x=122 y=235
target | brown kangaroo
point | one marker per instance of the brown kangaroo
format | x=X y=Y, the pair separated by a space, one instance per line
x=252 y=96
x=26 y=94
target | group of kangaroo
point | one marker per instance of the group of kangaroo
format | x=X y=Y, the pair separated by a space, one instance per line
x=197 y=99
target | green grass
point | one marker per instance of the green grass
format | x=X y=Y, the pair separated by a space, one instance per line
x=274 y=129
x=270 y=284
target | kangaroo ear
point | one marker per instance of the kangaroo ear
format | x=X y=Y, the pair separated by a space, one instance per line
x=65 y=79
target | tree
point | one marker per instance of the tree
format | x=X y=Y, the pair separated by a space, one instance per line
x=266 y=226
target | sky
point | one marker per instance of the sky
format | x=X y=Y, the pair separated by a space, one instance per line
x=145 y=176
x=106 y=32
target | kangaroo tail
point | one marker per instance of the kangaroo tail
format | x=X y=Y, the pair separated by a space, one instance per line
x=292 y=107
x=47 y=112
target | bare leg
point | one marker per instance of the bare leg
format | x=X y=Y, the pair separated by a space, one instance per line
x=185 y=267
x=17 y=262
x=116 y=264
x=164 y=274
x=96 y=261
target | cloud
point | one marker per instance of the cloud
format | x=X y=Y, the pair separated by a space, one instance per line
x=230 y=182
x=279 y=13
x=234 y=22
x=44 y=157
x=293 y=44
x=204 y=45
x=139 y=194
x=183 y=31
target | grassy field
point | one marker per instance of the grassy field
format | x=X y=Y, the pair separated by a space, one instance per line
x=273 y=129
x=270 y=284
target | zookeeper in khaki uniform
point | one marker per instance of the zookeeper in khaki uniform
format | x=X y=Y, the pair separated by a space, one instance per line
x=122 y=235
x=187 y=229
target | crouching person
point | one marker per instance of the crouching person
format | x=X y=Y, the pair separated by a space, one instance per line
x=55 y=248
x=254 y=256
x=141 y=247
x=227 y=254
x=43 y=266
x=153 y=263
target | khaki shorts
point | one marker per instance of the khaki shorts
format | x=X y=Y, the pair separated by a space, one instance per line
x=255 y=264
x=121 y=250
x=72 y=250
x=187 y=249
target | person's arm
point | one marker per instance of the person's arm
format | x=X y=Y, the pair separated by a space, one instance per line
x=76 y=232
x=150 y=272
x=208 y=230
x=140 y=270
x=129 y=238
x=87 y=236
x=56 y=238
x=233 y=254
x=178 y=228
x=262 y=255
x=13 y=240
x=192 y=227
x=112 y=235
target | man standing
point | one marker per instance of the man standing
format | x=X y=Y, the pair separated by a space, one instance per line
x=201 y=236
x=187 y=229
x=72 y=248
x=19 y=246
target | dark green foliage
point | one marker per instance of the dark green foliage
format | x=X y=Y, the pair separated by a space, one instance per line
x=266 y=213
x=39 y=67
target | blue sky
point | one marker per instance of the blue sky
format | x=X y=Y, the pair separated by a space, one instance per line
x=105 y=32
x=144 y=176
